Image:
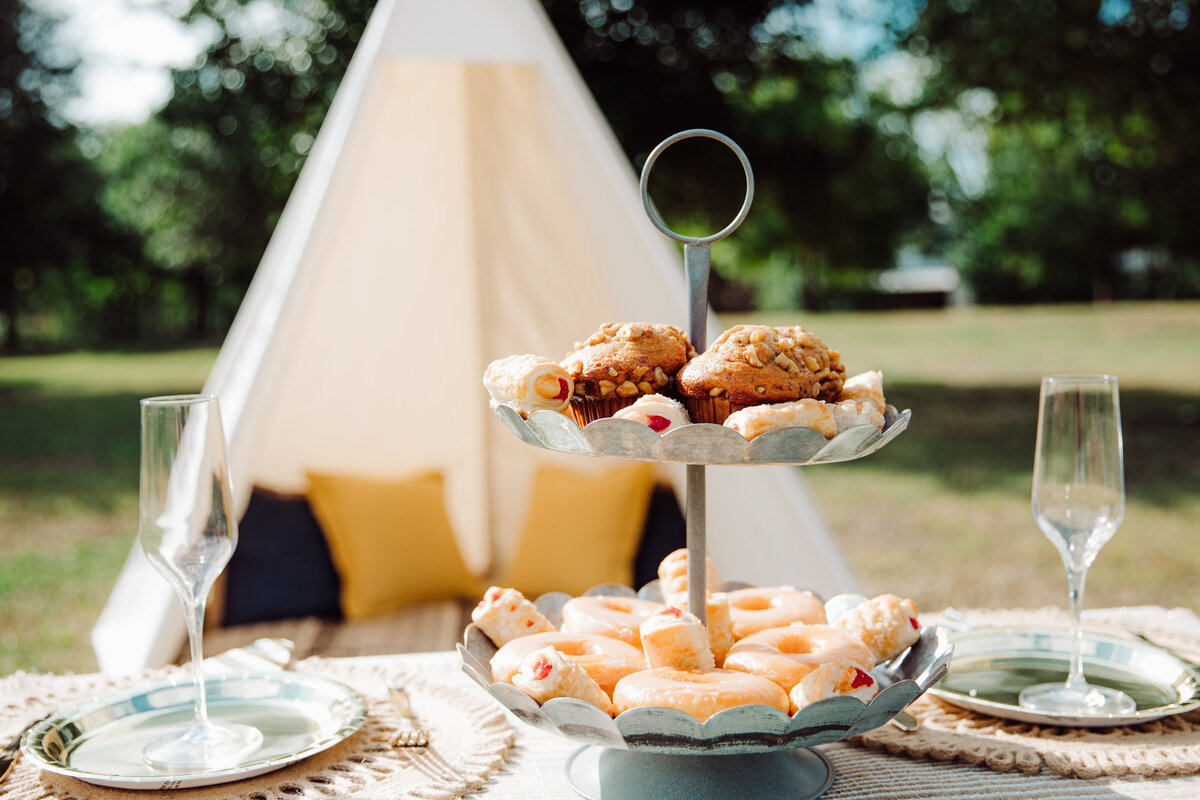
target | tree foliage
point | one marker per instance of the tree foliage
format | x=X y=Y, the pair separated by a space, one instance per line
x=1085 y=114
x=1093 y=155
x=205 y=181
x=57 y=244
x=835 y=192
x=242 y=119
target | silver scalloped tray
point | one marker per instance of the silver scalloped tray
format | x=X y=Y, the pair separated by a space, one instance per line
x=746 y=729
x=699 y=443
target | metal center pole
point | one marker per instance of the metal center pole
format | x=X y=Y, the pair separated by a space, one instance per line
x=696 y=543
x=696 y=263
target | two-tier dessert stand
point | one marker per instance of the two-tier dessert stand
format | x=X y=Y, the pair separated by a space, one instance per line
x=749 y=752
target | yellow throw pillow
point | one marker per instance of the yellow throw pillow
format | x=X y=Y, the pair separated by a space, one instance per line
x=582 y=529
x=391 y=541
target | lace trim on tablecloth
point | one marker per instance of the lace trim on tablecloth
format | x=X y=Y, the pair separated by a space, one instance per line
x=1161 y=748
x=470 y=739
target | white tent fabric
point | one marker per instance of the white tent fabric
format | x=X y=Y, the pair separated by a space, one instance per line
x=465 y=200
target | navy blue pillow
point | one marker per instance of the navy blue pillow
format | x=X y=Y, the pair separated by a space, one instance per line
x=665 y=532
x=281 y=567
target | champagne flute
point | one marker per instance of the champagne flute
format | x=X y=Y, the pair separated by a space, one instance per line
x=1078 y=502
x=188 y=533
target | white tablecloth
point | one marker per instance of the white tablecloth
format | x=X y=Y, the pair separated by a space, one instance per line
x=534 y=768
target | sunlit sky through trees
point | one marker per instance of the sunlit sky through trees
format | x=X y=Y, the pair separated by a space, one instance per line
x=126 y=48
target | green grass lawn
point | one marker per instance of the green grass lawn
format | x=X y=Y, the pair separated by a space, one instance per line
x=942 y=514
x=68 y=492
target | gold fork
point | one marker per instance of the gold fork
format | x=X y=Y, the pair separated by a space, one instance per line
x=411 y=734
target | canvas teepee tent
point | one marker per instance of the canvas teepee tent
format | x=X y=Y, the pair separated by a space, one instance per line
x=465 y=200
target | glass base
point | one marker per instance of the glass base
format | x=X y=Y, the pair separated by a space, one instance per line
x=1058 y=698
x=204 y=745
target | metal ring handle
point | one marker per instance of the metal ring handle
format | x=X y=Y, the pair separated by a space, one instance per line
x=645 y=182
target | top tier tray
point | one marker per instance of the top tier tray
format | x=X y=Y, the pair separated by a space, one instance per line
x=699 y=443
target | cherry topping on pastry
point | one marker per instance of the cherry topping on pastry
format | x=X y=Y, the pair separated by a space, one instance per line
x=861 y=679
x=541 y=668
x=672 y=610
x=913 y=621
x=563 y=390
x=657 y=423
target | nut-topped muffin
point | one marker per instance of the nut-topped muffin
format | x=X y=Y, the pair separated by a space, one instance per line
x=621 y=362
x=747 y=365
x=822 y=361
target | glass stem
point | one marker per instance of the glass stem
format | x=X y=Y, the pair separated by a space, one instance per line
x=193 y=611
x=1076 y=579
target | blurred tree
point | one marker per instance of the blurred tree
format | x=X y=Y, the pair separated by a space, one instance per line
x=53 y=233
x=1093 y=155
x=836 y=192
x=242 y=119
x=205 y=183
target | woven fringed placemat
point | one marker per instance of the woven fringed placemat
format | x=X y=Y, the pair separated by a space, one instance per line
x=470 y=739
x=1162 y=748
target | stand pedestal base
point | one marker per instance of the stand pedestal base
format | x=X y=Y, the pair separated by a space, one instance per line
x=601 y=773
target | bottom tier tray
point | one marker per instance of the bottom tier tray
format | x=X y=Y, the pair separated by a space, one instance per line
x=741 y=730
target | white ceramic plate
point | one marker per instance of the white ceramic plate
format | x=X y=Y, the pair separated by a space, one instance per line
x=991 y=666
x=102 y=742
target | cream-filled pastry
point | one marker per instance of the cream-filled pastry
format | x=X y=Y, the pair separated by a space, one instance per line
x=865 y=386
x=505 y=614
x=808 y=413
x=545 y=674
x=660 y=414
x=528 y=383
x=852 y=413
x=834 y=679
x=676 y=638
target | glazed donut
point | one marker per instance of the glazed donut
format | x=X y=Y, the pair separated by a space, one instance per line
x=865 y=386
x=547 y=673
x=758 y=609
x=528 y=383
x=754 y=421
x=607 y=660
x=718 y=623
x=701 y=692
x=659 y=413
x=618 y=617
x=831 y=680
x=676 y=638
x=505 y=614
x=887 y=624
x=673 y=579
x=786 y=655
